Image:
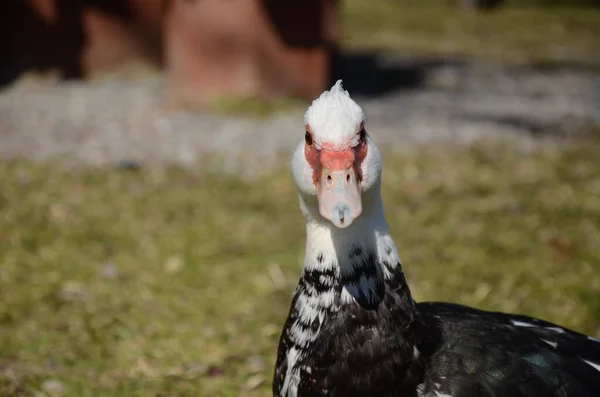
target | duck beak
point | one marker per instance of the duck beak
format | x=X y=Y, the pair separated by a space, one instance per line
x=338 y=189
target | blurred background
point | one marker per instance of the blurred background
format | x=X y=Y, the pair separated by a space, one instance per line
x=150 y=236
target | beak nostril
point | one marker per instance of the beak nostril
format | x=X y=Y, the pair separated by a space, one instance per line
x=329 y=179
x=348 y=178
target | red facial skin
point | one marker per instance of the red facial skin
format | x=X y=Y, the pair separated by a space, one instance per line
x=335 y=159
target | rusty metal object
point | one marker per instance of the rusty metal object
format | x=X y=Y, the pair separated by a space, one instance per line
x=29 y=38
x=212 y=48
x=116 y=40
x=248 y=48
x=78 y=38
x=45 y=9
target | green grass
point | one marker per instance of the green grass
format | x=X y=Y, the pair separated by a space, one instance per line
x=204 y=266
x=513 y=33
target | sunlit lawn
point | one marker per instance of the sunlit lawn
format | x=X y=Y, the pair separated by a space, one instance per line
x=149 y=283
x=516 y=32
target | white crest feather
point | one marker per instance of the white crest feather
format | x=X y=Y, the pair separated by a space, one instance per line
x=334 y=118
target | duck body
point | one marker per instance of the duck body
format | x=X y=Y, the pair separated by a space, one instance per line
x=354 y=330
x=491 y=354
x=357 y=351
x=400 y=348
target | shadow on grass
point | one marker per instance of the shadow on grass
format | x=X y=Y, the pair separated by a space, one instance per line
x=372 y=73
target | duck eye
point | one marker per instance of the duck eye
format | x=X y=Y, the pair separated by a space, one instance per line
x=362 y=135
x=308 y=138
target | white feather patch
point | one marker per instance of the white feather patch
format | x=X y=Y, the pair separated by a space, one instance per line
x=421 y=389
x=556 y=329
x=334 y=119
x=292 y=375
x=522 y=323
x=346 y=297
x=531 y=325
x=593 y=364
x=553 y=344
x=416 y=352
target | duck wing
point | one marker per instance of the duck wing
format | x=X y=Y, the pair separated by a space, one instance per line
x=489 y=354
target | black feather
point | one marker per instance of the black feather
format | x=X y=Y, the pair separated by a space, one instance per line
x=395 y=348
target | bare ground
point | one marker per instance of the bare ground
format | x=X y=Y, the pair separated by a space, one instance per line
x=408 y=103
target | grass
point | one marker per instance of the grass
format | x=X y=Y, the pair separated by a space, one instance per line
x=163 y=283
x=516 y=32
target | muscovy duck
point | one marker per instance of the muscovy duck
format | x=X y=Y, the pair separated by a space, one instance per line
x=354 y=329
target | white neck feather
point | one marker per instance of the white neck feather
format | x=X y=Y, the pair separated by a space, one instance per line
x=324 y=238
x=345 y=250
x=358 y=257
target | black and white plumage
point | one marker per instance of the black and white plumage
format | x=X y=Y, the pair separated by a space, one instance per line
x=353 y=328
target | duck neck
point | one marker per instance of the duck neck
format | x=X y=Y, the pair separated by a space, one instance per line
x=352 y=299
x=353 y=264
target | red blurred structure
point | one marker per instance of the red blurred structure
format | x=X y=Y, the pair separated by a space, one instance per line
x=210 y=48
